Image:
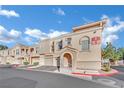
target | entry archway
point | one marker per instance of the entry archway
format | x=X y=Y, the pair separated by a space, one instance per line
x=67 y=60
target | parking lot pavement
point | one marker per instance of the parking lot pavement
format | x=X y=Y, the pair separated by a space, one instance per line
x=17 y=82
x=13 y=78
x=118 y=78
x=115 y=79
x=109 y=80
x=119 y=68
x=120 y=75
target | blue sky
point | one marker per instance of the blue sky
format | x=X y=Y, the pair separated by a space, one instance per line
x=29 y=24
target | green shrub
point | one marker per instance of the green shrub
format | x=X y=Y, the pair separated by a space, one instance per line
x=36 y=63
x=7 y=63
x=25 y=63
x=106 y=67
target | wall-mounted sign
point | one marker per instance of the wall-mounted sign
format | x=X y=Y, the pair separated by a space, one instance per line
x=95 y=40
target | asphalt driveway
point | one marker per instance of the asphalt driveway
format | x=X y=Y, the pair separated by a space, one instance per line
x=14 y=78
x=120 y=75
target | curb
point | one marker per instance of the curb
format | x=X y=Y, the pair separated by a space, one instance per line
x=107 y=74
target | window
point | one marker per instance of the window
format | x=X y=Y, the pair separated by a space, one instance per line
x=85 y=43
x=37 y=48
x=52 y=47
x=26 y=51
x=31 y=50
x=60 y=45
x=68 y=41
x=17 y=51
x=14 y=52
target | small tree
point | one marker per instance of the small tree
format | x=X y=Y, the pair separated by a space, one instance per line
x=111 y=53
x=3 y=47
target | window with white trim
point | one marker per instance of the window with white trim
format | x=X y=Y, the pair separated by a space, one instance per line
x=85 y=43
x=68 y=41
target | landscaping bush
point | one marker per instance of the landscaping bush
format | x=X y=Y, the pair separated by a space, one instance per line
x=25 y=63
x=36 y=63
x=106 y=67
x=7 y=63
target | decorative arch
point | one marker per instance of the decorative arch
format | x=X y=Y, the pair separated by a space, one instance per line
x=84 y=38
x=67 y=59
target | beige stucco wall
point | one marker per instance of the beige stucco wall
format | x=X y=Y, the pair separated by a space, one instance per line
x=44 y=46
x=86 y=59
x=88 y=65
x=94 y=53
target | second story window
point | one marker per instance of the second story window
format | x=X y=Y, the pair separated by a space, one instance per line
x=8 y=52
x=32 y=50
x=13 y=52
x=60 y=45
x=17 y=51
x=85 y=43
x=52 y=47
x=27 y=51
x=68 y=41
x=37 y=50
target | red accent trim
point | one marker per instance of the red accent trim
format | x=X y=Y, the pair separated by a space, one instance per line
x=95 y=40
x=110 y=74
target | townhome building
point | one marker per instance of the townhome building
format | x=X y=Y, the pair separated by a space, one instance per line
x=79 y=50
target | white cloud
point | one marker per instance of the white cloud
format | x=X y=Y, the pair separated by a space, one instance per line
x=114 y=25
x=14 y=33
x=8 y=13
x=29 y=36
x=2 y=30
x=36 y=33
x=111 y=38
x=59 y=11
x=55 y=33
x=28 y=39
x=9 y=36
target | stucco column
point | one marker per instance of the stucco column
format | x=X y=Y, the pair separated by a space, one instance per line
x=74 y=62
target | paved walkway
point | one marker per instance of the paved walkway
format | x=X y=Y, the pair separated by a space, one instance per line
x=46 y=68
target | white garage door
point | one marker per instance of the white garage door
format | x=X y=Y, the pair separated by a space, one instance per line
x=49 y=60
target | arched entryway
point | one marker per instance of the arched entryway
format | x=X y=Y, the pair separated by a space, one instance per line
x=67 y=60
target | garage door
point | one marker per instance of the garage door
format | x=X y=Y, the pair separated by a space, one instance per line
x=49 y=60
